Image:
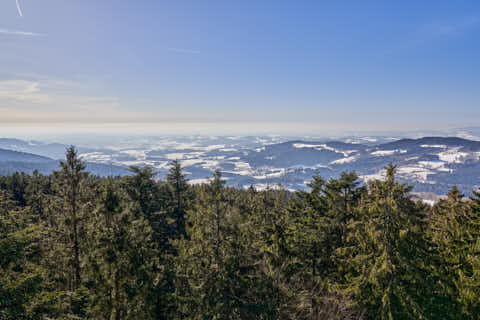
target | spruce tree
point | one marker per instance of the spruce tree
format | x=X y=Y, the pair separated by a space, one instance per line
x=215 y=273
x=69 y=186
x=121 y=260
x=35 y=194
x=271 y=229
x=150 y=199
x=386 y=253
x=311 y=236
x=17 y=185
x=456 y=233
x=471 y=292
x=179 y=187
x=143 y=191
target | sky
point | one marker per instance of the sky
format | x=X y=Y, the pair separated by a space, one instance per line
x=270 y=66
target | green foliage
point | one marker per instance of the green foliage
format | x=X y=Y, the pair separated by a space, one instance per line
x=318 y=229
x=387 y=251
x=456 y=233
x=121 y=259
x=214 y=266
x=180 y=197
x=73 y=246
x=20 y=278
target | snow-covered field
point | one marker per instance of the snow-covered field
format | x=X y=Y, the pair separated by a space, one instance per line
x=433 y=164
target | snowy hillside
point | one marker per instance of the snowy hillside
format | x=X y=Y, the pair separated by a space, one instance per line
x=433 y=164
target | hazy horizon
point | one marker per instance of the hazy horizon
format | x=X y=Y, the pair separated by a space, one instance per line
x=64 y=131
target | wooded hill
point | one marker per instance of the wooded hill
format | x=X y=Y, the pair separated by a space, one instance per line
x=77 y=246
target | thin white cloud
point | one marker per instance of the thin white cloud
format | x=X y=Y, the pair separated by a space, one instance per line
x=19 y=9
x=22 y=90
x=47 y=99
x=20 y=33
x=182 y=50
x=55 y=93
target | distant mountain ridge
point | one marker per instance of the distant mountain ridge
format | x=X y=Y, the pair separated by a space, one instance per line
x=433 y=164
x=13 y=161
x=9 y=155
x=432 y=141
x=50 y=150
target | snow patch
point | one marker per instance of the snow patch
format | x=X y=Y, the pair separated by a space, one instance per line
x=198 y=181
x=441 y=146
x=265 y=186
x=344 y=160
x=383 y=153
x=429 y=202
x=453 y=155
x=321 y=147
x=242 y=168
x=191 y=162
x=468 y=136
x=434 y=165
x=174 y=156
x=416 y=173
x=375 y=176
x=137 y=154
x=412 y=158
x=210 y=164
x=96 y=157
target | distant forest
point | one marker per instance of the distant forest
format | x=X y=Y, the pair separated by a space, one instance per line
x=77 y=246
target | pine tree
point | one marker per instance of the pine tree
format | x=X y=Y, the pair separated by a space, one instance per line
x=386 y=253
x=73 y=246
x=69 y=186
x=18 y=185
x=319 y=222
x=270 y=228
x=35 y=194
x=179 y=186
x=456 y=233
x=121 y=260
x=311 y=236
x=471 y=289
x=215 y=274
x=143 y=191
x=20 y=277
x=342 y=197
x=150 y=200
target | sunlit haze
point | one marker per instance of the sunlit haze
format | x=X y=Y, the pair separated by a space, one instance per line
x=279 y=67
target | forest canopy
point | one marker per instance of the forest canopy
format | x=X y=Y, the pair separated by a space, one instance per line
x=77 y=246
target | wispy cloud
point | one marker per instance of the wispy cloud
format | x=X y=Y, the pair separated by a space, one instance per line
x=19 y=9
x=55 y=93
x=22 y=90
x=20 y=33
x=45 y=99
x=182 y=50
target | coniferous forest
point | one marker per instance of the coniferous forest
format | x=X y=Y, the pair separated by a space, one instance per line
x=76 y=246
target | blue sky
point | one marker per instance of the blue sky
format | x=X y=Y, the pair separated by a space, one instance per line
x=277 y=65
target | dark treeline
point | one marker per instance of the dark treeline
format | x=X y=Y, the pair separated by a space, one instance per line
x=76 y=246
